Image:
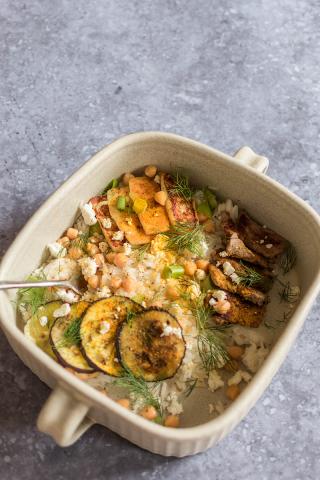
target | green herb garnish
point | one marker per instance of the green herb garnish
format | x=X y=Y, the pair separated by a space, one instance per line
x=121 y=203
x=142 y=250
x=33 y=297
x=81 y=241
x=288 y=293
x=71 y=335
x=173 y=271
x=182 y=187
x=249 y=276
x=288 y=259
x=205 y=209
x=140 y=390
x=130 y=316
x=210 y=197
x=112 y=184
x=183 y=236
x=191 y=384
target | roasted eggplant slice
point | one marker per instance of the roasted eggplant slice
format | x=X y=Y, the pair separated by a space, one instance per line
x=151 y=345
x=127 y=221
x=241 y=312
x=248 y=293
x=154 y=219
x=179 y=209
x=107 y=224
x=260 y=239
x=98 y=332
x=39 y=325
x=67 y=349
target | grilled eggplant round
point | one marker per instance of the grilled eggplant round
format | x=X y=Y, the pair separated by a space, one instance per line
x=99 y=328
x=69 y=353
x=151 y=345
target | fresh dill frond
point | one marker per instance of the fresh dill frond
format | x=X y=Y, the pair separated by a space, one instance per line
x=191 y=385
x=249 y=276
x=288 y=293
x=71 y=335
x=33 y=297
x=81 y=241
x=183 y=236
x=288 y=259
x=182 y=187
x=130 y=317
x=142 y=250
x=140 y=390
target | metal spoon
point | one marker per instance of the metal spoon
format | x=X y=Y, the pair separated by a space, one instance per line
x=46 y=283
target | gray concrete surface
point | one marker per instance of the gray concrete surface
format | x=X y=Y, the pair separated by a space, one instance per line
x=76 y=75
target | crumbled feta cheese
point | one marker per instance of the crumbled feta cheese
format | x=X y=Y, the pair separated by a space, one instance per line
x=235 y=278
x=173 y=405
x=218 y=264
x=62 y=269
x=228 y=268
x=214 y=381
x=200 y=274
x=168 y=330
x=127 y=248
x=261 y=241
x=212 y=302
x=238 y=377
x=43 y=321
x=88 y=266
x=220 y=295
x=56 y=250
x=254 y=356
x=105 y=327
x=62 y=311
x=119 y=235
x=67 y=295
x=88 y=214
x=223 y=254
x=157 y=179
x=106 y=222
x=269 y=245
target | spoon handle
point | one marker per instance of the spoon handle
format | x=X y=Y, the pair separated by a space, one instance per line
x=45 y=283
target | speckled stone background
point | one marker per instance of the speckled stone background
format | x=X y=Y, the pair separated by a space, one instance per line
x=74 y=76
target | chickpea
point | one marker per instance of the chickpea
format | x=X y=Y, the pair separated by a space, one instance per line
x=208 y=226
x=99 y=259
x=128 y=284
x=110 y=257
x=120 y=259
x=233 y=392
x=92 y=249
x=222 y=306
x=161 y=197
x=172 y=292
x=200 y=274
x=124 y=402
x=126 y=177
x=64 y=241
x=150 y=171
x=190 y=268
x=93 y=281
x=202 y=264
x=115 y=283
x=72 y=233
x=235 y=351
x=172 y=421
x=75 y=253
x=149 y=412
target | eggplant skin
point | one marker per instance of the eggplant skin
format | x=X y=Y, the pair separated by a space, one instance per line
x=69 y=356
x=146 y=350
x=99 y=347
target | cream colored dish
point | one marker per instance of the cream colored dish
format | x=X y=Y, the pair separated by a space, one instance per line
x=73 y=405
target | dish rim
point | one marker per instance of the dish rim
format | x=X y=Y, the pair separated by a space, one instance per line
x=92 y=397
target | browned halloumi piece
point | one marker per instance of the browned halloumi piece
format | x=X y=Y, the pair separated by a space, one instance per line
x=127 y=222
x=248 y=293
x=179 y=209
x=101 y=209
x=154 y=220
x=241 y=312
x=263 y=241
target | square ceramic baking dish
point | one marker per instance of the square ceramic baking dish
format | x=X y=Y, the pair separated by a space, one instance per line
x=73 y=406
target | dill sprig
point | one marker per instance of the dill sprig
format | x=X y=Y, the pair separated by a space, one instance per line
x=288 y=293
x=182 y=187
x=285 y=317
x=142 y=250
x=288 y=259
x=140 y=390
x=71 y=335
x=33 y=297
x=183 y=236
x=191 y=385
x=81 y=241
x=249 y=276
x=130 y=317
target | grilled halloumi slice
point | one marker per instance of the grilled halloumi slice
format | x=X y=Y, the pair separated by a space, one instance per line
x=108 y=226
x=179 y=209
x=154 y=219
x=248 y=293
x=127 y=222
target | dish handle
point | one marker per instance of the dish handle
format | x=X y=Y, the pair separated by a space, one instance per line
x=248 y=157
x=63 y=417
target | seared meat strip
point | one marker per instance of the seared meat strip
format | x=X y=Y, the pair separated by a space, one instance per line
x=248 y=293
